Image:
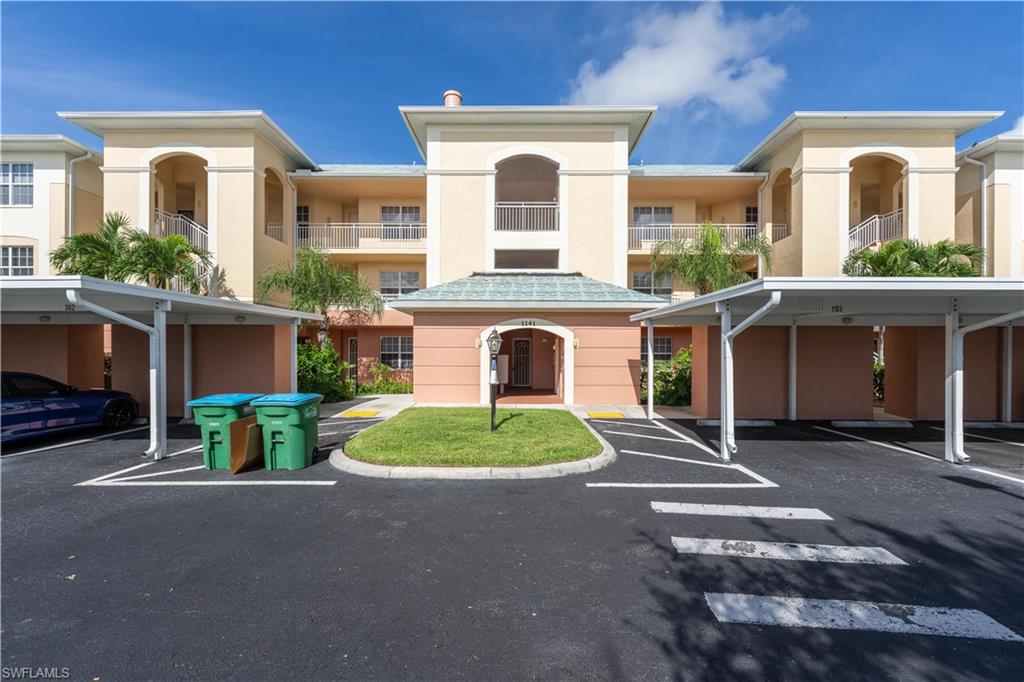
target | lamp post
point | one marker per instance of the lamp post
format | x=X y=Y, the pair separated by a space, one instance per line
x=494 y=345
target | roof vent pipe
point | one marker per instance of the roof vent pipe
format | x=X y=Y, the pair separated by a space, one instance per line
x=452 y=98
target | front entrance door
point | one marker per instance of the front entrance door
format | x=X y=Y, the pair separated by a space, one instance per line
x=521 y=362
x=353 y=357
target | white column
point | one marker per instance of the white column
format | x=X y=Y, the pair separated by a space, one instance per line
x=293 y=358
x=792 y=371
x=650 y=368
x=1007 y=403
x=952 y=324
x=726 y=419
x=158 y=383
x=186 y=362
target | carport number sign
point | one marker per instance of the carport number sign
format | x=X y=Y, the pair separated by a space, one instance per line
x=528 y=323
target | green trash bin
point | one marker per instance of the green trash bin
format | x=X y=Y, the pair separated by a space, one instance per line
x=289 y=422
x=214 y=414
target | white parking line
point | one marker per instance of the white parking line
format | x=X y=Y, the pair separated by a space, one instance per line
x=644 y=435
x=620 y=422
x=680 y=485
x=881 y=444
x=996 y=474
x=837 y=614
x=787 y=551
x=75 y=442
x=689 y=440
x=802 y=513
x=975 y=435
x=679 y=459
x=207 y=483
x=158 y=473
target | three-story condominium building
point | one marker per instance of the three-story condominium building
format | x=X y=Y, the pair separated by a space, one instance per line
x=531 y=220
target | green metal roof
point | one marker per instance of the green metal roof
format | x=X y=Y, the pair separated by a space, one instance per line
x=527 y=290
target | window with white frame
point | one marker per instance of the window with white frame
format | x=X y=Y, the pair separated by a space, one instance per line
x=400 y=214
x=302 y=214
x=662 y=348
x=396 y=351
x=393 y=283
x=17 y=261
x=652 y=215
x=751 y=215
x=16 y=184
x=648 y=283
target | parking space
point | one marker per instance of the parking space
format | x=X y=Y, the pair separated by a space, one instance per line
x=666 y=564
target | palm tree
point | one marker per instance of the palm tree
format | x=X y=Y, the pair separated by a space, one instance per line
x=104 y=253
x=910 y=258
x=707 y=261
x=159 y=262
x=316 y=285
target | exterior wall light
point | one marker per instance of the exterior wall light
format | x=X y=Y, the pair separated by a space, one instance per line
x=45 y=318
x=240 y=319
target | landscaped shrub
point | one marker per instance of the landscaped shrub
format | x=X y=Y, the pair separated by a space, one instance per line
x=320 y=370
x=672 y=379
x=879 y=383
x=384 y=382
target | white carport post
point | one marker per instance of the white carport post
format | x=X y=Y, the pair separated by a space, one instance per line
x=727 y=440
x=952 y=324
x=157 y=364
x=649 y=323
x=957 y=427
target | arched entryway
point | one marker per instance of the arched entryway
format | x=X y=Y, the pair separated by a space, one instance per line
x=539 y=357
x=782 y=192
x=180 y=197
x=526 y=194
x=875 y=196
x=273 y=205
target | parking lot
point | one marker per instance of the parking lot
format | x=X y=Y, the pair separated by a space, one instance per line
x=666 y=564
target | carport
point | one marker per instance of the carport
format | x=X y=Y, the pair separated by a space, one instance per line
x=67 y=301
x=959 y=306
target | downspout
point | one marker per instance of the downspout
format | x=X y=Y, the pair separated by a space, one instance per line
x=984 y=212
x=760 y=221
x=69 y=227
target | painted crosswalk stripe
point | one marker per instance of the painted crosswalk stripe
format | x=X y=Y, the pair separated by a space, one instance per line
x=740 y=510
x=837 y=614
x=786 y=551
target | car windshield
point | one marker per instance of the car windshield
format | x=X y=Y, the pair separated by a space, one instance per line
x=34 y=386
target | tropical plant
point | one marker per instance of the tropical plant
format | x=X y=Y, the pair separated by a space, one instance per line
x=159 y=262
x=707 y=261
x=911 y=258
x=320 y=370
x=317 y=285
x=673 y=379
x=104 y=254
x=215 y=284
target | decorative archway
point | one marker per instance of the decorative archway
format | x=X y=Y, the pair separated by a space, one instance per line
x=568 y=347
x=151 y=157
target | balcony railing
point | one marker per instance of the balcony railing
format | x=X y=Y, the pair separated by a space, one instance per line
x=526 y=216
x=275 y=231
x=779 y=231
x=166 y=224
x=876 y=229
x=365 y=236
x=643 y=237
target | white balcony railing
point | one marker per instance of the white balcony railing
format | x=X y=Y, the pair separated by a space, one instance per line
x=275 y=231
x=366 y=236
x=875 y=230
x=166 y=224
x=779 y=231
x=526 y=216
x=643 y=237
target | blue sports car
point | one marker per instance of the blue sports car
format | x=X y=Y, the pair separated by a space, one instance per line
x=33 y=405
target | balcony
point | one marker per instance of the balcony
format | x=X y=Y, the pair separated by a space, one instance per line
x=526 y=216
x=643 y=237
x=364 y=237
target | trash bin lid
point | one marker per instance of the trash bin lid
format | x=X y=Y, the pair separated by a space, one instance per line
x=288 y=399
x=224 y=400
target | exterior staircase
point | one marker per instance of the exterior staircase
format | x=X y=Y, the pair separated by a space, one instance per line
x=876 y=230
x=166 y=224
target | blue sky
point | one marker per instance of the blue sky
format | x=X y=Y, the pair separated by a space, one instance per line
x=332 y=75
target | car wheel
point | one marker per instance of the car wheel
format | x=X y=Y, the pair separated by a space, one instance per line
x=118 y=415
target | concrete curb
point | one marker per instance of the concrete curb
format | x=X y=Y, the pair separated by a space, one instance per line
x=339 y=460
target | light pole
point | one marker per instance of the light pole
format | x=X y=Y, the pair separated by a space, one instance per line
x=494 y=345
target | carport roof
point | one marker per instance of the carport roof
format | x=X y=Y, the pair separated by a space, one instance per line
x=26 y=299
x=826 y=301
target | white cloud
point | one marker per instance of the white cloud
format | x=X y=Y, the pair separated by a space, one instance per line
x=702 y=56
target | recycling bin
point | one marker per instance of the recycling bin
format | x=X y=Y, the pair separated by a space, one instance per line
x=214 y=415
x=289 y=423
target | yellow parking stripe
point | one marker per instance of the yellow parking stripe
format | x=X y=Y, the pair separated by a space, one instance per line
x=605 y=415
x=360 y=413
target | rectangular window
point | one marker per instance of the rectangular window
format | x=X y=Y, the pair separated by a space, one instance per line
x=652 y=215
x=396 y=351
x=526 y=259
x=16 y=261
x=751 y=215
x=393 y=284
x=302 y=214
x=16 y=184
x=662 y=348
x=645 y=281
x=400 y=214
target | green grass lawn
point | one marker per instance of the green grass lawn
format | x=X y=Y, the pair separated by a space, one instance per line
x=461 y=437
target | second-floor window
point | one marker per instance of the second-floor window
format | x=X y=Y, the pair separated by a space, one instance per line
x=652 y=215
x=302 y=214
x=16 y=261
x=751 y=215
x=648 y=283
x=393 y=284
x=16 y=184
x=400 y=214
x=396 y=351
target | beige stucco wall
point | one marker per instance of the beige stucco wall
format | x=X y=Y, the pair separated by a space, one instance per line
x=461 y=236
x=1005 y=225
x=592 y=249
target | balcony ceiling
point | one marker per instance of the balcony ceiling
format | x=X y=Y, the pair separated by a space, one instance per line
x=350 y=189
x=705 y=191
